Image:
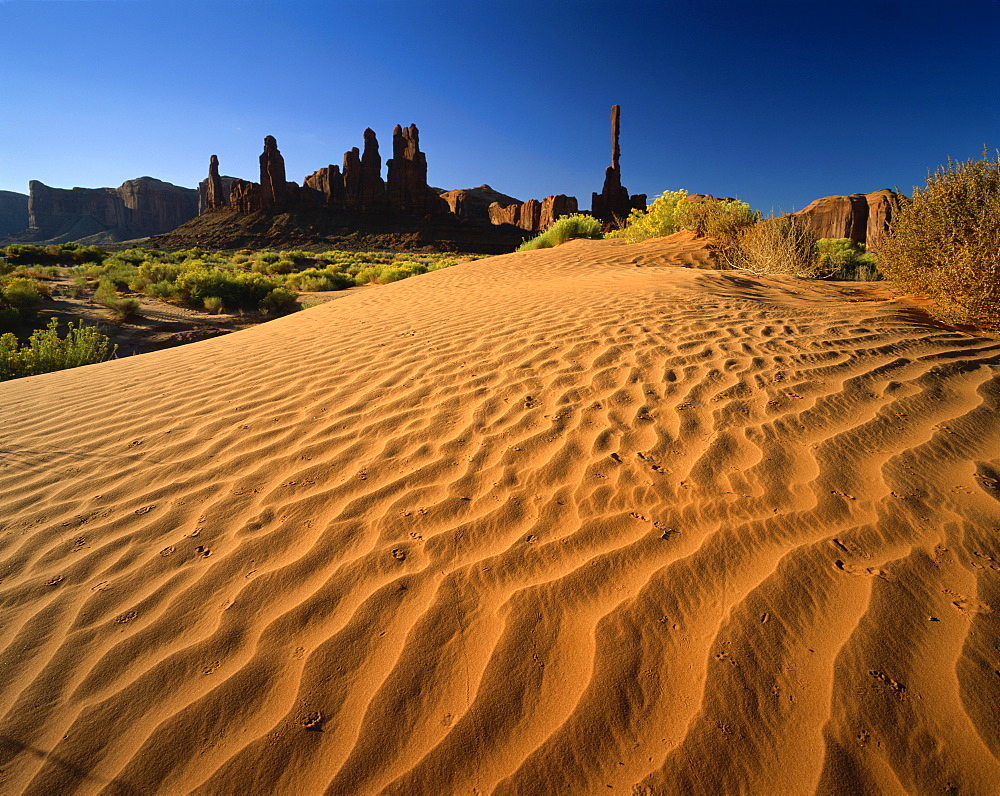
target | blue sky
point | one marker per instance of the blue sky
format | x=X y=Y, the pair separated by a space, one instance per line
x=775 y=102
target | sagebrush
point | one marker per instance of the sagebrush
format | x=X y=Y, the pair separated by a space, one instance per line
x=945 y=241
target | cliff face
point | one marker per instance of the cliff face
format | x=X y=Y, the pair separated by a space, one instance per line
x=140 y=207
x=533 y=216
x=473 y=204
x=13 y=212
x=864 y=218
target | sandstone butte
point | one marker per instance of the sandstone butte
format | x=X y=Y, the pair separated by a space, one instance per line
x=136 y=209
x=573 y=521
x=357 y=186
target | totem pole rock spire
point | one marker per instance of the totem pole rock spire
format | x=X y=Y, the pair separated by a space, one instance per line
x=616 y=152
x=613 y=204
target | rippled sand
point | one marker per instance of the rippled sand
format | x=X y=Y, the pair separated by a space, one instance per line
x=575 y=521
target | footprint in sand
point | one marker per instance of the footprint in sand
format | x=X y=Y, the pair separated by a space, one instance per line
x=313 y=721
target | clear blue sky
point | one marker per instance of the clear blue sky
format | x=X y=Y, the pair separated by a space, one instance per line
x=775 y=102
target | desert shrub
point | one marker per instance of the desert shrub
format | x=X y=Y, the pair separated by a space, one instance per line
x=121 y=307
x=778 y=245
x=724 y=221
x=945 y=241
x=64 y=254
x=444 y=262
x=237 y=291
x=164 y=290
x=149 y=273
x=213 y=304
x=278 y=302
x=365 y=276
x=843 y=259
x=386 y=275
x=662 y=217
x=281 y=266
x=315 y=279
x=563 y=229
x=46 y=351
x=21 y=294
x=126 y=307
x=36 y=271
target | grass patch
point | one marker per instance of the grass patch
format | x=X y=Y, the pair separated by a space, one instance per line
x=564 y=229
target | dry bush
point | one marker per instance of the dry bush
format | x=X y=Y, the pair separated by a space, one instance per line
x=781 y=245
x=945 y=241
x=724 y=221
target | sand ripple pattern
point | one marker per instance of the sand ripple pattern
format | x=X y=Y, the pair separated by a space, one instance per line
x=573 y=521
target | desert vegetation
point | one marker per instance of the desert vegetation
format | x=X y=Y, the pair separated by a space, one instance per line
x=743 y=238
x=563 y=229
x=263 y=281
x=945 y=242
x=257 y=284
x=46 y=351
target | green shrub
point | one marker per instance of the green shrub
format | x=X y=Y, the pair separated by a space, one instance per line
x=164 y=290
x=945 y=242
x=563 y=229
x=278 y=302
x=152 y=272
x=315 y=279
x=778 y=245
x=45 y=351
x=662 y=217
x=237 y=291
x=22 y=295
x=214 y=304
x=121 y=307
x=843 y=259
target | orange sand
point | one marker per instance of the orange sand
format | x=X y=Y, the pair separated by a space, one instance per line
x=575 y=521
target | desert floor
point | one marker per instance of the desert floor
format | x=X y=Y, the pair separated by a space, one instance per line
x=575 y=521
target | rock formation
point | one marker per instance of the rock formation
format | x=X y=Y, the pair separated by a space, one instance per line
x=880 y=205
x=215 y=194
x=505 y=214
x=613 y=204
x=13 y=212
x=227 y=184
x=328 y=185
x=533 y=216
x=372 y=192
x=138 y=208
x=554 y=207
x=473 y=204
x=863 y=218
x=406 y=183
x=357 y=186
x=352 y=178
x=244 y=196
x=275 y=190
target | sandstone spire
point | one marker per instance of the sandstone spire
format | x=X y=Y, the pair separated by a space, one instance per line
x=215 y=197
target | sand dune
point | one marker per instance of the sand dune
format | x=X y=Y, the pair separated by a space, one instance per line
x=573 y=521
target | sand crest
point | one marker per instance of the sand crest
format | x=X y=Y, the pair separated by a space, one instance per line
x=568 y=521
